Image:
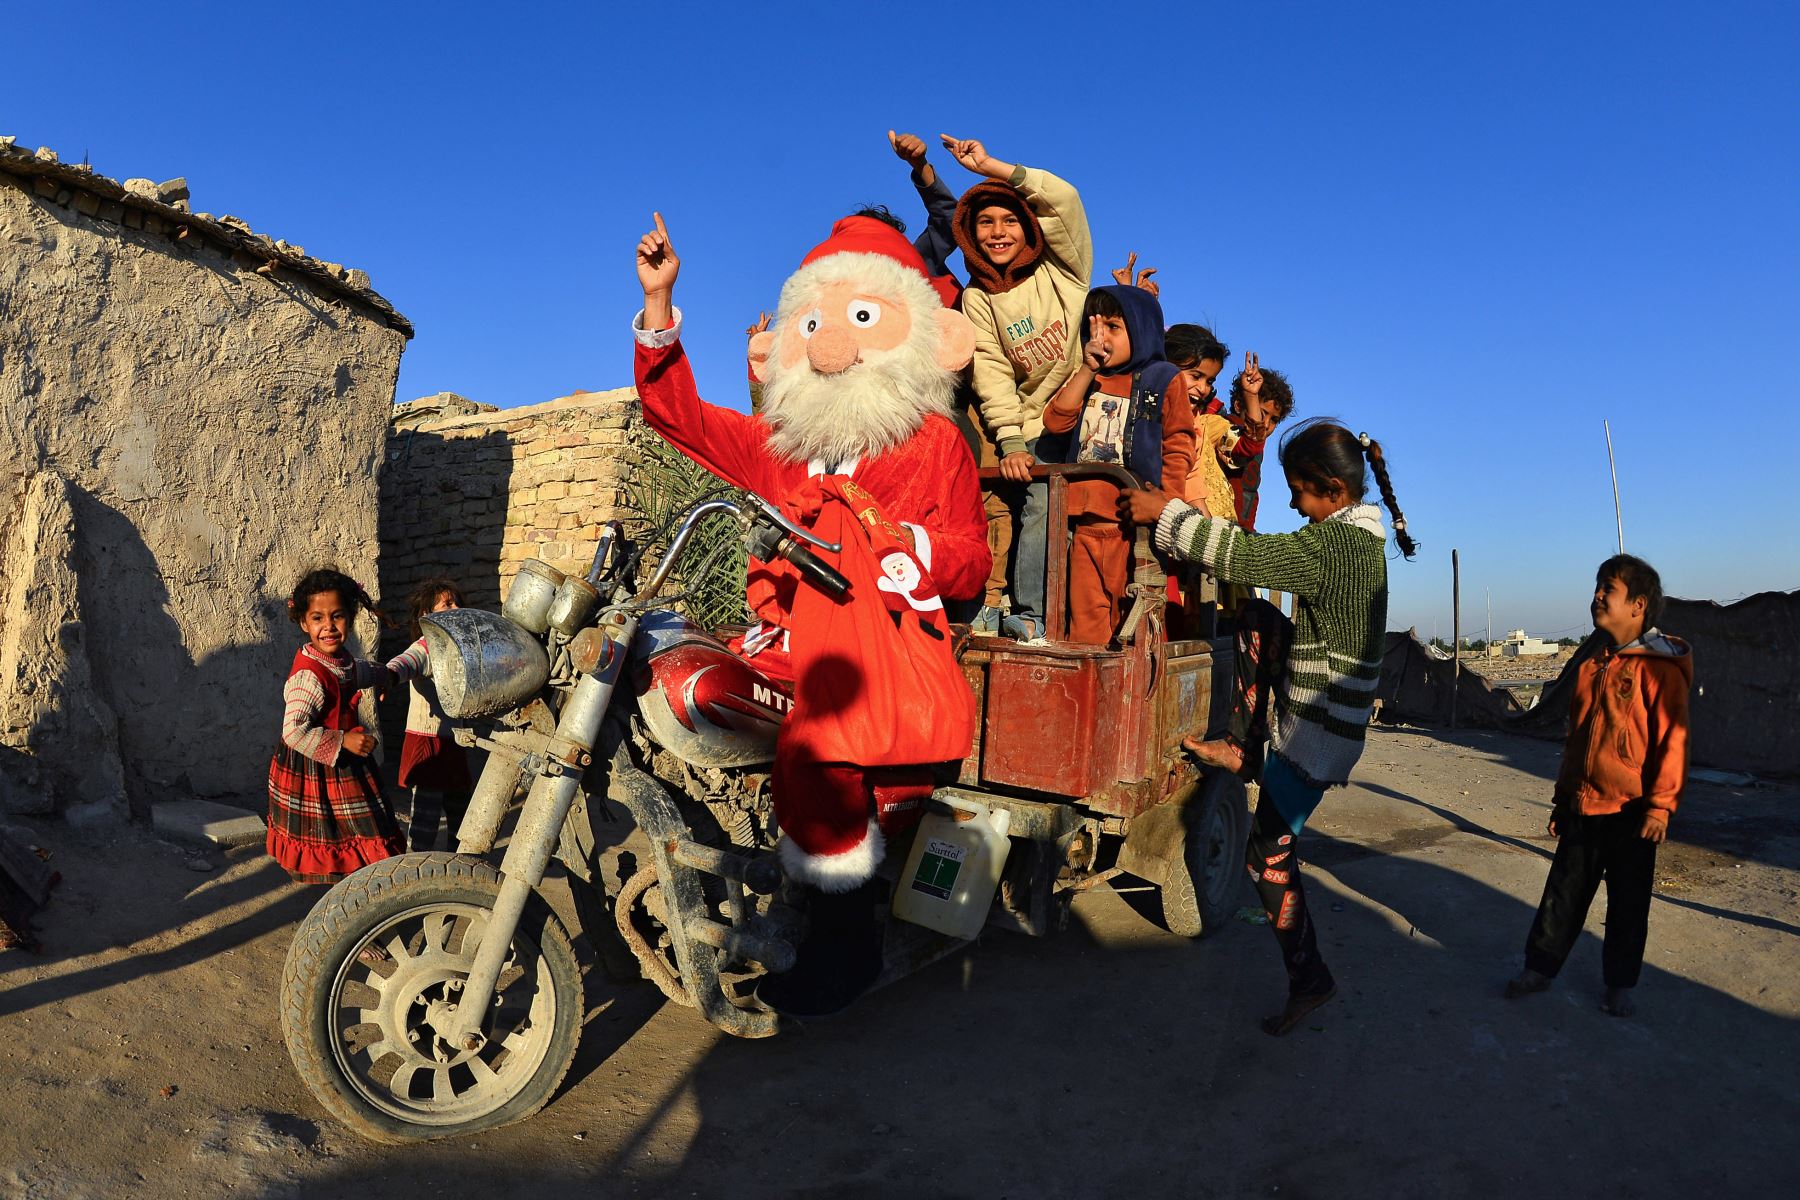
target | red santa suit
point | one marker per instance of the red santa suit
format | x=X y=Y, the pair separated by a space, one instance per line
x=927 y=483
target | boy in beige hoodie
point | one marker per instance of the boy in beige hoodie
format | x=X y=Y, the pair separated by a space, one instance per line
x=1025 y=242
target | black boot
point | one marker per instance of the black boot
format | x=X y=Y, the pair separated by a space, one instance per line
x=836 y=961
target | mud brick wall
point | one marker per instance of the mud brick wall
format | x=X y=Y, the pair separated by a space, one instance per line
x=472 y=492
x=191 y=416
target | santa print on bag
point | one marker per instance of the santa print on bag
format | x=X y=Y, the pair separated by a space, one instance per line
x=904 y=583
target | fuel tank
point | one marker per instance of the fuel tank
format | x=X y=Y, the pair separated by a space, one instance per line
x=702 y=702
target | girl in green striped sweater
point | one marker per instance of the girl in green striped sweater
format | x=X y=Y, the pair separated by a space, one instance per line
x=1321 y=668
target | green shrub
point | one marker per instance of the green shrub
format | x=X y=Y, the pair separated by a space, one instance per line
x=660 y=482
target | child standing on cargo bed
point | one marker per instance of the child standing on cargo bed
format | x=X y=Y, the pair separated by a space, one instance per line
x=1623 y=769
x=1025 y=242
x=1125 y=405
x=1322 y=676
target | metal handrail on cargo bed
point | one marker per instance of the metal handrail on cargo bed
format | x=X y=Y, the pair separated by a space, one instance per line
x=1147 y=573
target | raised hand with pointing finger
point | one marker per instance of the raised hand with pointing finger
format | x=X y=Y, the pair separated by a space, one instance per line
x=910 y=148
x=974 y=157
x=657 y=267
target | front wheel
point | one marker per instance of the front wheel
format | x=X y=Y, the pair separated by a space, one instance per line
x=371 y=986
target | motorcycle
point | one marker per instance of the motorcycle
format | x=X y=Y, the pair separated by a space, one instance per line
x=431 y=994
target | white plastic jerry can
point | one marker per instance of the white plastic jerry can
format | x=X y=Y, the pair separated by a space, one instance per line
x=950 y=876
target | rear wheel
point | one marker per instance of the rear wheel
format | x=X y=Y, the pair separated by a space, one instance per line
x=1201 y=886
x=370 y=990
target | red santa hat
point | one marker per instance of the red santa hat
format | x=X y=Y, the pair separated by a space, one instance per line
x=866 y=235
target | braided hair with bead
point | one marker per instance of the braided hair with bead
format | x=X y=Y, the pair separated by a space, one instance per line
x=1326 y=455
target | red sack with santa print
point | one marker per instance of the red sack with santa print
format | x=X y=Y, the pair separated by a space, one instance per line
x=875 y=678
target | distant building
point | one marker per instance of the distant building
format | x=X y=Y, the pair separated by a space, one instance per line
x=1519 y=644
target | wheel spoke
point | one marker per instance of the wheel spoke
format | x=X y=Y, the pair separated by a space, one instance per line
x=517 y=1039
x=437 y=931
x=400 y=1083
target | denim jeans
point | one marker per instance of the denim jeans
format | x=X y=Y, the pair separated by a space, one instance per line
x=1031 y=546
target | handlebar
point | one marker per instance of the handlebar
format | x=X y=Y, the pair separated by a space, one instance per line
x=766 y=543
x=769 y=534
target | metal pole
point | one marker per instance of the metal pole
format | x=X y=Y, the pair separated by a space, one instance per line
x=1613 y=467
x=1455 y=634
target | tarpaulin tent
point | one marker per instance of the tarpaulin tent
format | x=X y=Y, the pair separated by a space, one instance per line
x=1418 y=680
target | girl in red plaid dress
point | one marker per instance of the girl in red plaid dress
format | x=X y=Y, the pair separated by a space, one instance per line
x=327 y=816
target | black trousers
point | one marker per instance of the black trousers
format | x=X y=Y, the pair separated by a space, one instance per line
x=1273 y=858
x=1592 y=848
x=430 y=807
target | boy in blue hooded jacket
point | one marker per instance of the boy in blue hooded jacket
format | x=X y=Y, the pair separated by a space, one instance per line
x=1125 y=404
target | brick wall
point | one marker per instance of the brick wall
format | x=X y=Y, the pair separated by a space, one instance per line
x=472 y=492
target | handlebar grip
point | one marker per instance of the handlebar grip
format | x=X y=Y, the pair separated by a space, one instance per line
x=821 y=574
x=766 y=543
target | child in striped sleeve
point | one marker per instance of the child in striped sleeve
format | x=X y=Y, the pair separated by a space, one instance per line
x=1322 y=680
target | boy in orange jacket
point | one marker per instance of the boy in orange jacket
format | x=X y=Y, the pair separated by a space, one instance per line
x=1623 y=769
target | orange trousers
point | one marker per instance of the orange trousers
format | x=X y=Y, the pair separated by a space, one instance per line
x=1099 y=573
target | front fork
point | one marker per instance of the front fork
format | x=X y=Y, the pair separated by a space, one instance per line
x=539 y=830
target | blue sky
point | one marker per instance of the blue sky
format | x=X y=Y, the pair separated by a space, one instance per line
x=1474 y=231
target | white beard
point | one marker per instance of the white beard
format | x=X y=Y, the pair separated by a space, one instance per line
x=874 y=406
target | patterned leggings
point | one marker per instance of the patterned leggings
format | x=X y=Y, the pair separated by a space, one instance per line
x=1273 y=858
x=1258 y=661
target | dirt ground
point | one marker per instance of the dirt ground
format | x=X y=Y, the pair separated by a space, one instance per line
x=142 y=1055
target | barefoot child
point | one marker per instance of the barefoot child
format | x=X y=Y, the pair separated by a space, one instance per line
x=1623 y=768
x=431 y=763
x=327 y=816
x=1336 y=569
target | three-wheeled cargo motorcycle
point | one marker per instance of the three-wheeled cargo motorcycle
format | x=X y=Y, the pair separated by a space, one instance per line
x=434 y=994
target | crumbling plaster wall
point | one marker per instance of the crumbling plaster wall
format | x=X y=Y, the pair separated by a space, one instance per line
x=220 y=430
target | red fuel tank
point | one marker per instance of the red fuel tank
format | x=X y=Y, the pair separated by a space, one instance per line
x=702 y=702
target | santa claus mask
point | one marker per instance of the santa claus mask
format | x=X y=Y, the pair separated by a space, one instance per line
x=860 y=352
